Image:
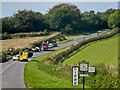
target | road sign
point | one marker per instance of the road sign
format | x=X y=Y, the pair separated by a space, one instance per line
x=75 y=76
x=91 y=69
x=83 y=67
x=83 y=75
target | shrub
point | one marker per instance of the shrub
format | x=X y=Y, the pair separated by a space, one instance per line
x=6 y=36
x=4 y=56
x=51 y=38
x=102 y=78
x=0 y=36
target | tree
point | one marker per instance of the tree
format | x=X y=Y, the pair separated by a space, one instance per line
x=59 y=19
x=62 y=15
x=105 y=15
x=6 y=25
x=23 y=21
x=96 y=21
x=114 y=19
x=68 y=30
x=27 y=21
x=69 y=7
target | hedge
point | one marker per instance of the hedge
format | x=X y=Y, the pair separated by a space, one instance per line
x=32 y=34
x=52 y=38
x=60 y=56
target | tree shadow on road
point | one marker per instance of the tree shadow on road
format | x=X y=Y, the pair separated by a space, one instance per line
x=49 y=50
x=24 y=61
x=34 y=61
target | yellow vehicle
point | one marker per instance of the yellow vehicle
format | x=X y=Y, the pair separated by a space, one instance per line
x=23 y=55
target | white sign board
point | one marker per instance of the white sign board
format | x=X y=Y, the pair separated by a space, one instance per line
x=83 y=67
x=83 y=75
x=91 y=69
x=75 y=70
x=75 y=76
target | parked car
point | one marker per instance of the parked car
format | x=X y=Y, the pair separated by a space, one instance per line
x=55 y=44
x=50 y=45
x=44 y=46
x=15 y=57
x=30 y=54
x=36 y=49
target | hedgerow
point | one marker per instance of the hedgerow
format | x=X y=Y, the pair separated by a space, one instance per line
x=52 y=38
x=31 y=34
x=61 y=55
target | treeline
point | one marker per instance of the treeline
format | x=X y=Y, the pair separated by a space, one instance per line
x=66 y=18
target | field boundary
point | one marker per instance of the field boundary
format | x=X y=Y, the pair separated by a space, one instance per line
x=60 y=56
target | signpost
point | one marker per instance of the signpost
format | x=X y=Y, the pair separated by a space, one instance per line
x=91 y=69
x=83 y=67
x=75 y=76
x=83 y=75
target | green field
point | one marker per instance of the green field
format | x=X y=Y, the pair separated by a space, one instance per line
x=105 y=51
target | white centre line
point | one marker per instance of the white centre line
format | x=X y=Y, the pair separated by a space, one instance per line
x=6 y=67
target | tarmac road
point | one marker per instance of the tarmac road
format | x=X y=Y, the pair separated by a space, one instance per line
x=13 y=71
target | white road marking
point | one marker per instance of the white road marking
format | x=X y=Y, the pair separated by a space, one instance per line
x=6 y=67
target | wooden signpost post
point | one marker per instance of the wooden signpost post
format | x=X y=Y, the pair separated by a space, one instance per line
x=83 y=68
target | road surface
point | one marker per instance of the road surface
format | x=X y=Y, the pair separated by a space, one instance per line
x=13 y=71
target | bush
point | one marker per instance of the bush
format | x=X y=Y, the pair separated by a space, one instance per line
x=45 y=32
x=102 y=78
x=0 y=36
x=51 y=38
x=6 y=36
x=4 y=56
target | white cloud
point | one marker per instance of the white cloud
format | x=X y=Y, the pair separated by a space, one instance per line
x=60 y=0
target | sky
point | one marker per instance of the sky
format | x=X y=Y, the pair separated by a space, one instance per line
x=60 y=0
x=9 y=8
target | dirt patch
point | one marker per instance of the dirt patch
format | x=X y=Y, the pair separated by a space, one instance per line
x=18 y=43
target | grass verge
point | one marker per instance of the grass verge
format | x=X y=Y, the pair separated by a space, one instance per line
x=37 y=77
x=67 y=40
